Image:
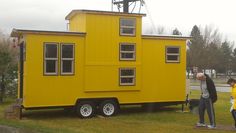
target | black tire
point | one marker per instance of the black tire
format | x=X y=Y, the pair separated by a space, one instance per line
x=85 y=109
x=108 y=108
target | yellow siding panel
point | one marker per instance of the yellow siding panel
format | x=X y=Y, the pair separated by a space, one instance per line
x=40 y=90
x=106 y=78
x=165 y=81
x=78 y=23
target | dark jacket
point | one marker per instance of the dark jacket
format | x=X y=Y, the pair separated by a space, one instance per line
x=211 y=88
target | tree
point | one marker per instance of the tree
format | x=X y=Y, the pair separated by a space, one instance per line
x=226 y=57
x=207 y=51
x=196 y=49
x=211 y=35
x=212 y=56
x=212 y=44
x=160 y=30
x=8 y=61
x=176 y=32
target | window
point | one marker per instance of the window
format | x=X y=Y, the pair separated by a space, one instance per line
x=127 y=51
x=127 y=26
x=172 y=54
x=67 y=59
x=127 y=76
x=50 y=58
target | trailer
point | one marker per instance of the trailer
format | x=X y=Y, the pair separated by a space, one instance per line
x=102 y=62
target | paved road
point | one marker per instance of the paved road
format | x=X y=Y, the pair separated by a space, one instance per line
x=218 y=88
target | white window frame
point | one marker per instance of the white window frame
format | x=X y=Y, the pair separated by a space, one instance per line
x=48 y=59
x=70 y=59
x=130 y=27
x=175 y=54
x=132 y=76
x=123 y=52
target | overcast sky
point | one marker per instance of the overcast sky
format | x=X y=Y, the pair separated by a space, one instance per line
x=183 y=14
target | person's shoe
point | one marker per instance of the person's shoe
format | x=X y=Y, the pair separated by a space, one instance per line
x=200 y=124
x=211 y=126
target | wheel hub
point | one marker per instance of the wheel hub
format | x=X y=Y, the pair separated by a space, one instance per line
x=108 y=109
x=86 y=110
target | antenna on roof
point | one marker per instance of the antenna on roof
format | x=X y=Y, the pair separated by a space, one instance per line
x=125 y=4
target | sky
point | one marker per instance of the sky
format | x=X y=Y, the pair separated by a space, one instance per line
x=181 y=14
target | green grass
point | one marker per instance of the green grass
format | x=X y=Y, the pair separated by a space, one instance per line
x=130 y=120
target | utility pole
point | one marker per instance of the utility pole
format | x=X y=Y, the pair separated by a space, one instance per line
x=125 y=4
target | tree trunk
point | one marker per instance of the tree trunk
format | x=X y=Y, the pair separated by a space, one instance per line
x=2 y=88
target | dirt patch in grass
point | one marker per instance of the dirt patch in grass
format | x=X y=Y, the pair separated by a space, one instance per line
x=7 y=129
x=218 y=127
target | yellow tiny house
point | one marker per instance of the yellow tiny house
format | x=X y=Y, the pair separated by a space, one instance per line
x=102 y=62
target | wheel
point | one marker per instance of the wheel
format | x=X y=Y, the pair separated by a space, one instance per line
x=85 y=109
x=108 y=108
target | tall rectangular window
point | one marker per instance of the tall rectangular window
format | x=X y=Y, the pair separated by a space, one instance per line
x=127 y=51
x=172 y=54
x=127 y=76
x=50 y=58
x=127 y=26
x=67 y=59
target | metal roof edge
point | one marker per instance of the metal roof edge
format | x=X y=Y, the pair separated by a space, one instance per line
x=177 y=37
x=73 y=12
x=17 y=32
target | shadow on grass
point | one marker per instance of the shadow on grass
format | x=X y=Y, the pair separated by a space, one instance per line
x=125 y=110
x=47 y=114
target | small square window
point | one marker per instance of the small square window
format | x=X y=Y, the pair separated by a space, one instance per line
x=50 y=58
x=127 y=76
x=67 y=51
x=51 y=66
x=172 y=54
x=173 y=50
x=67 y=59
x=127 y=26
x=127 y=51
x=51 y=50
x=67 y=66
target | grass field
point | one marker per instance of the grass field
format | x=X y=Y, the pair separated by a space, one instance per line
x=130 y=120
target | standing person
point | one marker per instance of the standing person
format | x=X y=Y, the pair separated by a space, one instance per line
x=208 y=97
x=232 y=83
